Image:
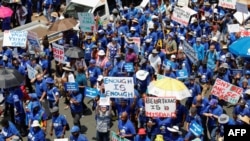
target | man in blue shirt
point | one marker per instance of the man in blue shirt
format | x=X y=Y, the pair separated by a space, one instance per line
x=76 y=107
x=36 y=133
x=141 y=135
x=126 y=128
x=93 y=72
x=40 y=85
x=9 y=129
x=241 y=110
x=59 y=123
x=75 y=134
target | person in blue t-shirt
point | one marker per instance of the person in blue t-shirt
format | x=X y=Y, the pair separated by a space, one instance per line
x=175 y=133
x=141 y=135
x=36 y=133
x=52 y=93
x=59 y=123
x=126 y=128
x=241 y=110
x=8 y=129
x=75 y=135
x=93 y=72
x=76 y=107
x=163 y=123
x=193 y=117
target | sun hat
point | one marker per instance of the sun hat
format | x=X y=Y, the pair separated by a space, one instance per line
x=173 y=56
x=148 y=40
x=154 y=51
x=223 y=119
x=49 y=80
x=67 y=67
x=54 y=14
x=141 y=74
x=100 y=78
x=55 y=109
x=174 y=129
x=213 y=101
x=101 y=52
x=35 y=123
x=224 y=65
x=247 y=92
x=75 y=129
x=142 y=131
x=214 y=39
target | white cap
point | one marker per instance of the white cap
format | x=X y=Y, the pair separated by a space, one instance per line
x=35 y=123
x=132 y=28
x=173 y=56
x=100 y=77
x=214 y=39
x=101 y=53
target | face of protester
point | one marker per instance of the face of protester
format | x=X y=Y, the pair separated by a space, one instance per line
x=244 y=84
x=15 y=64
x=103 y=109
x=36 y=128
x=124 y=117
x=75 y=134
x=212 y=48
x=55 y=114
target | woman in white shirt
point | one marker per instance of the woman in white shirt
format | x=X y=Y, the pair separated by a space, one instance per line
x=21 y=14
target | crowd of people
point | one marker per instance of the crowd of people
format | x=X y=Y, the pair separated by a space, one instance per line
x=28 y=107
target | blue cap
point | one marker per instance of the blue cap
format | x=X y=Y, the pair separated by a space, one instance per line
x=213 y=101
x=75 y=129
x=171 y=34
x=108 y=64
x=92 y=61
x=247 y=72
x=35 y=104
x=50 y=80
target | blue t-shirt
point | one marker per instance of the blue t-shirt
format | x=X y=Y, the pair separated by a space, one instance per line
x=126 y=128
x=58 y=123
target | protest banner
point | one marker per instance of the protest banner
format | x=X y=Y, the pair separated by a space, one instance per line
x=91 y=92
x=183 y=2
x=33 y=39
x=234 y=72
x=129 y=67
x=182 y=74
x=182 y=15
x=144 y=3
x=195 y=128
x=226 y=91
x=189 y=51
x=240 y=7
x=245 y=33
x=115 y=137
x=137 y=41
x=70 y=86
x=87 y=22
x=14 y=38
x=104 y=101
x=119 y=87
x=232 y=28
x=160 y=106
x=58 y=52
x=162 y=8
x=31 y=72
x=241 y=17
x=230 y=4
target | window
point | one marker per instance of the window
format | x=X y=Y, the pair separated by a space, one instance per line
x=100 y=11
x=73 y=9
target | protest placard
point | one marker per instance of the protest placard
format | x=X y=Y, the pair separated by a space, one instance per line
x=115 y=137
x=91 y=92
x=160 y=106
x=33 y=39
x=87 y=22
x=129 y=67
x=162 y=8
x=241 y=17
x=119 y=87
x=189 y=51
x=234 y=72
x=58 y=52
x=137 y=41
x=226 y=91
x=64 y=139
x=182 y=74
x=182 y=2
x=232 y=28
x=240 y=7
x=104 y=101
x=182 y=15
x=14 y=38
x=31 y=72
x=70 y=86
x=230 y=4
x=144 y=3
x=195 y=128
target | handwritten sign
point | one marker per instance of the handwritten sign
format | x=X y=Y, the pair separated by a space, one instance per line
x=129 y=67
x=226 y=91
x=87 y=22
x=182 y=74
x=189 y=51
x=31 y=72
x=196 y=129
x=232 y=28
x=241 y=17
x=182 y=2
x=71 y=86
x=160 y=106
x=119 y=87
x=240 y=7
x=104 y=101
x=115 y=137
x=230 y=4
x=33 y=39
x=15 y=38
x=182 y=15
x=91 y=92
x=58 y=52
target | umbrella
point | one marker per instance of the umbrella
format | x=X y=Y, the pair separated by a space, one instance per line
x=63 y=25
x=10 y=78
x=5 y=12
x=246 y=2
x=241 y=47
x=74 y=52
x=169 y=87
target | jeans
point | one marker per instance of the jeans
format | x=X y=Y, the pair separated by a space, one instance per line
x=76 y=118
x=38 y=6
x=212 y=131
x=47 y=13
x=102 y=136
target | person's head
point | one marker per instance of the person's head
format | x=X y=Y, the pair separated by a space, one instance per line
x=50 y=82
x=154 y=52
x=33 y=61
x=123 y=102
x=101 y=53
x=173 y=57
x=175 y=131
x=80 y=69
x=142 y=133
x=124 y=116
x=213 y=103
x=198 y=41
x=35 y=106
x=103 y=108
x=5 y=123
x=242 y=103
x=118 y=57
x=198 y=100
x=193 y=111
x=75 y=131
x=15 y=63
x=130 y=48
x=191 y=79
x=212 y=48
x=36 y=125
x=39 y=77
x=92 y=63
x=55 y=111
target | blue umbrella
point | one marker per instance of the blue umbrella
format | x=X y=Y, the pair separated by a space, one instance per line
x=241 y=47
